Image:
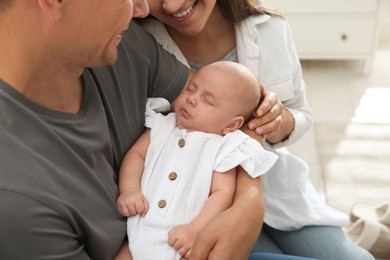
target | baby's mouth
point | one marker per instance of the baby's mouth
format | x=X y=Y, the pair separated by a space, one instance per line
x=185 y=12
x=184 y=113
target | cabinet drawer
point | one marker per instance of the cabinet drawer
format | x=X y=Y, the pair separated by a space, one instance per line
x=323 y=6
x=324 y=37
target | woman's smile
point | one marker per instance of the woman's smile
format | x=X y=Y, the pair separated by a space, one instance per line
x=186 y=12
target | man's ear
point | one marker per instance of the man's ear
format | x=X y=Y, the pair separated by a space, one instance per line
x=234 y=124
x=52 y=8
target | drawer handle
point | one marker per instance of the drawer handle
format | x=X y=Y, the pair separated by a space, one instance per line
x=344 y=37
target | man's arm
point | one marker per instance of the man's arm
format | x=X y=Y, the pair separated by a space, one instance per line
x=124 y=252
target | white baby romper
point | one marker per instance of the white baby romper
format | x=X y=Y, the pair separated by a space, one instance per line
x=177 y=177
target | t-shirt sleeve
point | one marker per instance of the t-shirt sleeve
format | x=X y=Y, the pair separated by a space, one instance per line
x=29 y=230
x=240 y=149
x=167 y=75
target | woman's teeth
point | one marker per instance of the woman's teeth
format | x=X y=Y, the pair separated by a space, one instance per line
x=184 y=13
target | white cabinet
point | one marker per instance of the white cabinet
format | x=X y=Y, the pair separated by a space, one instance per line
x=332 y=29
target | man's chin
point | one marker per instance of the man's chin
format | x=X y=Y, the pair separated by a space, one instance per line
x=106 y=61
x=111 y=59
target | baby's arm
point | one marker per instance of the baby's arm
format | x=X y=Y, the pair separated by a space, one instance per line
x=182 y=237
x=131 y=201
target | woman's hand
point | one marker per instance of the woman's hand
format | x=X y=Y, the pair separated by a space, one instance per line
x=272 y=121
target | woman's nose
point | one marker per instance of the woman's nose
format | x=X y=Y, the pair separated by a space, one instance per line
x=141 y=8
x=172 y=6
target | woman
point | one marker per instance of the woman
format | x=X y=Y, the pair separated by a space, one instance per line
x=198 y=32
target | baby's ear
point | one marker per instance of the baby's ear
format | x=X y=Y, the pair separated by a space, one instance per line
x=234 y=124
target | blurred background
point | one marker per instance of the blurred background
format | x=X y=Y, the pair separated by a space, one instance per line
x=344 y=47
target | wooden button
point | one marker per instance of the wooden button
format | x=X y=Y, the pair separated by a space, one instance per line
x=162 y=203
x=172 y=176
x=182 y=142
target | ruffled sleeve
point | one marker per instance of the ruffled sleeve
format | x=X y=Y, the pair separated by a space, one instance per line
x=240 y=149
x=153 y=107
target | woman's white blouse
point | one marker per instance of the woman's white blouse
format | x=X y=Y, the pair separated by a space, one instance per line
x=265 y=45
x=177 y=177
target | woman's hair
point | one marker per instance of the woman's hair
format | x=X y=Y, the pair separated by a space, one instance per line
x=237 y=10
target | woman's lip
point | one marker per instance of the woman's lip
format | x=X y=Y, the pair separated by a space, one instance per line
x=185 y=12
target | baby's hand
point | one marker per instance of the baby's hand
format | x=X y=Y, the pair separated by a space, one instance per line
x=132 y=202
x=182 y=238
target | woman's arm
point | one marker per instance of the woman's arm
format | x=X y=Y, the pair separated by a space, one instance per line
x=284 y=122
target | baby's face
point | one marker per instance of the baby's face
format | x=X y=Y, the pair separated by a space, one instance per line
x=208 y=103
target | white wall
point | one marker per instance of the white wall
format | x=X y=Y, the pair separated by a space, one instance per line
x=385 y=11
x=384 y=33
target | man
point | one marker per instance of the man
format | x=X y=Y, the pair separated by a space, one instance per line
x=74 y=78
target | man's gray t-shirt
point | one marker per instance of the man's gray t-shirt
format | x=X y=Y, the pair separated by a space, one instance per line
x=58 y=171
